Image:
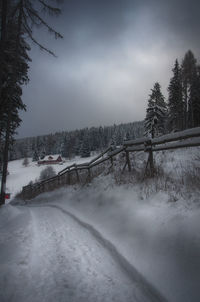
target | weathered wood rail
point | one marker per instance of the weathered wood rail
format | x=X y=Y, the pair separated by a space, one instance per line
x=83 y=172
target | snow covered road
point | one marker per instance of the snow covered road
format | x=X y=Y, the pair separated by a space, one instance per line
x=47 y=254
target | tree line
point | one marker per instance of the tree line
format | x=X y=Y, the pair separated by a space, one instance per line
x=182 y=108
x=75 y=143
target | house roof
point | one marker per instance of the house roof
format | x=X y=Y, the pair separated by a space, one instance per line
x=51 y=157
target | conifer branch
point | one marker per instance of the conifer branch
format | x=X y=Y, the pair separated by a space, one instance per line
x=37 y=43
x=51 y=10
x=50 y=29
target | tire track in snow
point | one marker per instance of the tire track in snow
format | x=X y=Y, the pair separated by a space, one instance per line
x=150 y=292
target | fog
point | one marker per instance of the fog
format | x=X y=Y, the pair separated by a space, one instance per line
x=158 y=237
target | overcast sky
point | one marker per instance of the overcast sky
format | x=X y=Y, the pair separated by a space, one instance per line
x=112 y=53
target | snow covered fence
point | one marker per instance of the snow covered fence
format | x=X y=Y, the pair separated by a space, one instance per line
x=68 y=176
x=82 y=173
x=181 y=139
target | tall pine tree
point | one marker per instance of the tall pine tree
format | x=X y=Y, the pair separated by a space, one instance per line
x=156 y=113
x=14 y=75
x=194 y=100
x=189 y=72
x=17 y=19
x=175 y=100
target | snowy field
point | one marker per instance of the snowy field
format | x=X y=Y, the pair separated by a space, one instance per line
x=105 y=242
x=20 y=176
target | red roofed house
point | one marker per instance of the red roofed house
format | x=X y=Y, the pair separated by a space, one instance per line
x=50 y=159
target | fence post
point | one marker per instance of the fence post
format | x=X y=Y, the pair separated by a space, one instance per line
x=69 y=177
x=128 y=161
x=58 y=180
x=63 y=179
x=150 y=163
x=23 y=193
x=111 y=159
x=89 y=175
x=77 y=175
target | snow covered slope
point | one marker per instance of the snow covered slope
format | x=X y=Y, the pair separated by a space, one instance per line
x=20 y=176
x=153 y=225
x=160 y=238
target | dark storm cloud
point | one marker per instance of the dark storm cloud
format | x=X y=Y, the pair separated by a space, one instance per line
x=181 y=18
x=108 y=19
x=112 y=53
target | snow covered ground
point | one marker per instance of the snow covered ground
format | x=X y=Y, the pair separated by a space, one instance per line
x=20 y=175
x=48 y=255
x=89 y=243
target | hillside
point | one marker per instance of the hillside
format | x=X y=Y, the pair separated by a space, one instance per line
x=19 y=175
x=153 y=223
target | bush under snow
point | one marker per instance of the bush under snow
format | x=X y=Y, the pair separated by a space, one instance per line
x=48 y=172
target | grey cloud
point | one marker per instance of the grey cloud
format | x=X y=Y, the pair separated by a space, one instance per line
x=112 y=53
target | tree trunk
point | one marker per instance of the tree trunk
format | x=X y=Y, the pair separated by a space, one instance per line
x=13 y=80
x=5 y=161
x=2 y=42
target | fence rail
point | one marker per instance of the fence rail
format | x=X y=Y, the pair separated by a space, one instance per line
x=75 y=173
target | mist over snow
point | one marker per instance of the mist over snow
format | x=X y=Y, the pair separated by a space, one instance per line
x=159 y=238
x=150 y=227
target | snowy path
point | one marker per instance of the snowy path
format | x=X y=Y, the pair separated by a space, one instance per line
x=47 y=254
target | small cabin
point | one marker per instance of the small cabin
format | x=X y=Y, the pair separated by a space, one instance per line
x=50 y=160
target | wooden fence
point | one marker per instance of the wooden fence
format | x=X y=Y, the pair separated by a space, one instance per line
x=84 y=172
